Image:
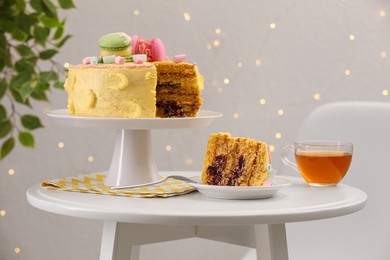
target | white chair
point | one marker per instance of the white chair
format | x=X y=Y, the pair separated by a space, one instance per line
x=365 y=234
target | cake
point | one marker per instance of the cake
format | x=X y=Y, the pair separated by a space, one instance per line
x=133 y=78
x=236 y=161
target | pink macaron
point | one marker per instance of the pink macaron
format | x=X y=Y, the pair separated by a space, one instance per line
x=154 y=49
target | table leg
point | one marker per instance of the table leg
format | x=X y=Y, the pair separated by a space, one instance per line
x=271 y=242
x=116 y=243
x=122 y=240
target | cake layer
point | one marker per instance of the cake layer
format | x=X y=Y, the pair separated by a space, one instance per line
x=178 y=89
x=182 y=86
x=113 y=90
x=170 y=108
x=235 y=161
x=170 y=67
x=180 y=98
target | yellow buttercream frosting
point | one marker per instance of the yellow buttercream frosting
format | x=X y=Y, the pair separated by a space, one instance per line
x=114 y=90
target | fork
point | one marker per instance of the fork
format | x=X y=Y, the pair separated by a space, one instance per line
x=176 y=177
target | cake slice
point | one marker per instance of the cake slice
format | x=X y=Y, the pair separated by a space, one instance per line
x=235 y=161
x=178 y=91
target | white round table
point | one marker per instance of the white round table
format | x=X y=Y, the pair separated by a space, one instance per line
x=131 y=222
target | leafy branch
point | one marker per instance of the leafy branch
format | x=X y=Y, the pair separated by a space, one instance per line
x=31 y=34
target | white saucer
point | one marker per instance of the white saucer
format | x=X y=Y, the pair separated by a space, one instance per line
x=242 y=192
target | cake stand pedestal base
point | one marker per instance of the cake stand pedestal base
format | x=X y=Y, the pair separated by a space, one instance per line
x=133 y=161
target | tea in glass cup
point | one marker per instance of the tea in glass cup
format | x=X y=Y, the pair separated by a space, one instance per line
x=321 y=163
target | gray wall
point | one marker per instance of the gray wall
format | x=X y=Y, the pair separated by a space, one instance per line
x=307 y=53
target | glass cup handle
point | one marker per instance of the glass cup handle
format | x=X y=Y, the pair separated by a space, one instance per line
x=285 y=159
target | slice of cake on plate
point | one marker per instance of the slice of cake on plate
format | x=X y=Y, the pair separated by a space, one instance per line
x=236 y=161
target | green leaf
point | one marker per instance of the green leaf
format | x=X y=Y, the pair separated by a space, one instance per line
x=25 y=91
x=63 y=41
x=40 y=34
x=3 y=113
x=59 y=32
x=26 y=139
x=58 y=84
x=50 y=22
x=47 y=54
x=20 y=5
x=11 y=27
x=5 y=9
x=18 y=98
x=5 y=128
x=37 y=5
x=34 y=18
x=3 y=87
x=19 y=79
x=42 y=87
x=2 y=65
x=19 y=35
x=8 y=25
x=47 y=76
x=24 y=22
x=49 y=9
x=66 y=4
x=31 y=122
x=7 y=147
x=3 y=40
x=25 y=66
x=5 y=55
x=39 y=95
x=25 y=51
x=4 y=51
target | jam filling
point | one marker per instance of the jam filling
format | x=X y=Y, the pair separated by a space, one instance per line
x=170 y=108
x=216 y=169
x=167 y=85
x=237 y=172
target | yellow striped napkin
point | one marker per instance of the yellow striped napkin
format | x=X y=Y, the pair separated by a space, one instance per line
x=94 y=183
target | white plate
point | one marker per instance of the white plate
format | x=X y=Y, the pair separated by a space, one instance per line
x=204 y=118
x=242 y=192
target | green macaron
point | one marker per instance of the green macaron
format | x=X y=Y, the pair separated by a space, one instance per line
x=115 y=41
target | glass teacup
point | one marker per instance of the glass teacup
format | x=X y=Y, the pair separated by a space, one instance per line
x=321 y=163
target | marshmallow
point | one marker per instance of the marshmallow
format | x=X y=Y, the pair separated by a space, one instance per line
x=86 y=60
x=120 y=60
x=141 y=57
x=109 y=59
x=93 y=60
x=179 y=58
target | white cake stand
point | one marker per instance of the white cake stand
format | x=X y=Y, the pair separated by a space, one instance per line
x=133 y=161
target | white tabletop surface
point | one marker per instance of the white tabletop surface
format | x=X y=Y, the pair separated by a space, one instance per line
x=298 y=202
